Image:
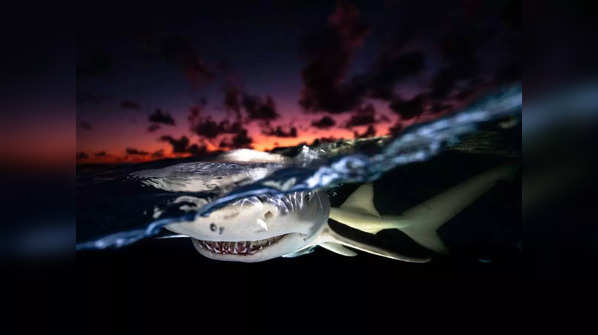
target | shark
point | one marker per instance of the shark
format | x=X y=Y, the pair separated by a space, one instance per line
x=264 y=227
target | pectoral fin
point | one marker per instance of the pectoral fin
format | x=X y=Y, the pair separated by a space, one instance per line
x=328 y=235
x=338 y=249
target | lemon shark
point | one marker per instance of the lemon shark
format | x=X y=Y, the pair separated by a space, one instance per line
x=259 y=228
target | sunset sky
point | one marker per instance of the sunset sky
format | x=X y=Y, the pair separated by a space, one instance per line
x=267 y=74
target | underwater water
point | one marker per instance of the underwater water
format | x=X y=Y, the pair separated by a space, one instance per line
x=122 y=204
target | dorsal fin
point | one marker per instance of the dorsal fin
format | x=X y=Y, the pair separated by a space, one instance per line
x=362 y=200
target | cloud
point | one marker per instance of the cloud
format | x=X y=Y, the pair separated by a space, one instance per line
x=257 y=109
x=158 y=116
x=444 y=60
x=330 y=51
x=362 y=116
x=383 y=118
x=158 y=153
x=408 y=109
x=82 y=155
x=182 y=145
x=390 y=68
x=232 y=99
x=178 y=145
x=210 y=129
x=153 y=127
x=279 y=132
x=101 y=154
x=369 y=132
x=324 y=123
x=128 y=104
x=240 y=140
x=396 y=128
x=84 y=125
x=197 y=150
x=135 y=152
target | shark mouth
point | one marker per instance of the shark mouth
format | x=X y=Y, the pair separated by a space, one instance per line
x=242 y=248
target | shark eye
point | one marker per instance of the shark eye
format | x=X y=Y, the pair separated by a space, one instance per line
x=268 y=215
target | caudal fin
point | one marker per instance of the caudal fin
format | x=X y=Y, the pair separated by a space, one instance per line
x=424 y=219
x=420 y=222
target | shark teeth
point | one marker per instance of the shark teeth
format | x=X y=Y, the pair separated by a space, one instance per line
x=239 y=248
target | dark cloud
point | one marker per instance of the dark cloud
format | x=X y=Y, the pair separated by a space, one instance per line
x=240 y=140
x=84 y=125
x=210 y=129
x=369 y=132
x=153 y=127
x=390 y=68
x=280 y=132
x=82 y=155
x=158 y=153
x=232 y=99
x=179 y=50
x=383 y=118
x=158 y=116
x=128 y=104
x=463 y=49
x=207 y=128
x=257 y=109
x=329 y=52
x=395 y=129
x=362 y=116
x=182 y=145
x=101 y=154
x=324 y=123
x=408 y=109
x=178 y=145
x=136 y=152
x=197 y=150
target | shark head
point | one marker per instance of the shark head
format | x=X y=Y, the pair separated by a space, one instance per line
x=258 y=228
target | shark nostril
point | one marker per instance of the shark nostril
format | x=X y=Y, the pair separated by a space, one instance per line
x=268 y=215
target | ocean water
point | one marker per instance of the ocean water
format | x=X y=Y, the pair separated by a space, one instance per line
x=123 y=204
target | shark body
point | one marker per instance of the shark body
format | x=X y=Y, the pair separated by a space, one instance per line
x=260 y=228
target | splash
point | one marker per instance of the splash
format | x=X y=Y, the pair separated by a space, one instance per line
x=324 y=168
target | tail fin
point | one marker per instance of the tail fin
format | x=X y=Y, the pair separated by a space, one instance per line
x=425 y=218
x=420 y=222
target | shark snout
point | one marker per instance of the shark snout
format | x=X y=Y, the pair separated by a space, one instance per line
x=240 y=223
